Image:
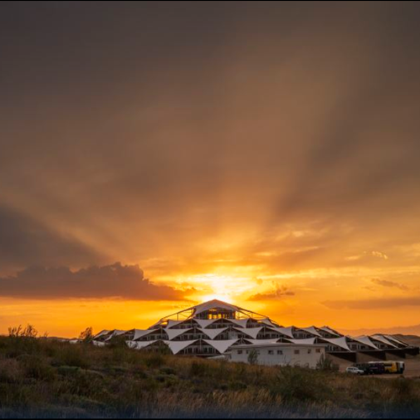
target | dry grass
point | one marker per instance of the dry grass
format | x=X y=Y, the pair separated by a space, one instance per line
x=44 y=378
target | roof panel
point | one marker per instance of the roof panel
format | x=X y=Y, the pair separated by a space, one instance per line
x=221 y=345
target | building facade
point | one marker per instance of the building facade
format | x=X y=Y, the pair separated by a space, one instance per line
x=214 y=328
x=279 y=354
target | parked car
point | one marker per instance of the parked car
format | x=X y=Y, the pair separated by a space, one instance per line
x=355 y=370
x=376 y=368
x=389 y=367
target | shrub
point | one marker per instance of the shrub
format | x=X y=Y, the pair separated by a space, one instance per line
x=198 y=369
x=73 y=355
x=36 y=367
x=326 y=364
x=253 y=357
x=86 y=336
x=154 y=360
x=296 y=384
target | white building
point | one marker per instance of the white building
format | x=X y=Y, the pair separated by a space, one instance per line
x=280 y=354
x=214 y=328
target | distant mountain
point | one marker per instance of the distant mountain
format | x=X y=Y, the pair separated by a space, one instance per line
x=407 y=331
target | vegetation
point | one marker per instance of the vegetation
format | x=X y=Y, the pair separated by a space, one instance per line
x=253 y=357
x=47 y=378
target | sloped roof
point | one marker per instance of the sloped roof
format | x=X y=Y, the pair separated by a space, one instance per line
x=204 y=323
x=140 y=333
x=252 y=332
x=175 y=333
x=383 y=340
x=172 y=323
x=288 y=332
x=221 y=345
x=177 y=346
x=103 y=332
x=240 y=322
x=212 y=333
x=339 y=342
x=395 y=340
x=115 y=333
x=194 y=311
x=363 y=339
x=267 y=321
x=214 y=304
x=311 y=330
x=329 y=330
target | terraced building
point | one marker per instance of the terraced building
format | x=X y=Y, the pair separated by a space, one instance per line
x=214 y=328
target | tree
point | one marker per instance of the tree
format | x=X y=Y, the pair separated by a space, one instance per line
x=87 y=335
x=253 y=357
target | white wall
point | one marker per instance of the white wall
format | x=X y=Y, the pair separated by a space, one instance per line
x=283 y=356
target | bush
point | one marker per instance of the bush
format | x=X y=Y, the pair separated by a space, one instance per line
x=73 y=355
x=253 y=357
x=326 y=364
x=297 y=384
x=198 y=369
x=154 y=360
x=86 y=336
x=36 y=367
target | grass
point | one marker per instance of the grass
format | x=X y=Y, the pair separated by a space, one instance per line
x=42 y=378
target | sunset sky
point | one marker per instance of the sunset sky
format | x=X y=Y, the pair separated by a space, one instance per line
x=153 y=156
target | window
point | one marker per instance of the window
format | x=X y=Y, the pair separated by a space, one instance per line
x=271 y=352
x=309 y=351
x=280 y=352
x=297 y=351
x=239 y=351
x=318 y=350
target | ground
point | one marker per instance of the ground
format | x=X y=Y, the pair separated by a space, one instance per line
x=45 y=378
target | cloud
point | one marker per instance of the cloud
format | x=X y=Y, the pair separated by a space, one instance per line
x=367 y=255
x=386 y=283
x=279 y=293
x=111 y=281
x=25 y=242
x=373 y=304
x=380 y=255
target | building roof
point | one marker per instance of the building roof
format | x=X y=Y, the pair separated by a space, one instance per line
x=194 y=311
x=212 y=333
x=141 y=333
x=366 y=341
x=339 y=342
x=238 y=324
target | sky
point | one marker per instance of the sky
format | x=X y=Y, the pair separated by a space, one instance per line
x=153 y=156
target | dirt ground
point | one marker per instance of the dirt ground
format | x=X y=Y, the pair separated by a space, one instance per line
x=412 y=368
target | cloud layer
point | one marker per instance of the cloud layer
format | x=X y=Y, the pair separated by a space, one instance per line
x=111 y=281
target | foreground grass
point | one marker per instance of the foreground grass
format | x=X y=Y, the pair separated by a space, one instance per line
x=49 y=379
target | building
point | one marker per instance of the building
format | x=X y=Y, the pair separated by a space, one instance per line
x=214 y=328
x=280 y=354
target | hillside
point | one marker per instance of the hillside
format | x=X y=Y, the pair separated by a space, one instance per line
x=45 y=378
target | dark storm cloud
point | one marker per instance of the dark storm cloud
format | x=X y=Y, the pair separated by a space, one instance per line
x=112 y=281
x=25 y=241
